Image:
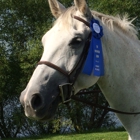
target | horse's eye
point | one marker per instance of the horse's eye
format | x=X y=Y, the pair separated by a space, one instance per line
x=75 y=41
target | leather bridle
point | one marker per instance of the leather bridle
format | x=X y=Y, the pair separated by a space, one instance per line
x=67 y=89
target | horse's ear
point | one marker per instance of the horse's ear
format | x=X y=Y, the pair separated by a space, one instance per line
x=82 y=7
x=56 y=8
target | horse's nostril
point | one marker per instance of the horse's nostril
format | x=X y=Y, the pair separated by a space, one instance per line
x=36 y=102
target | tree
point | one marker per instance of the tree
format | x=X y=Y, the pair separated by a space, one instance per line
x=20 y=48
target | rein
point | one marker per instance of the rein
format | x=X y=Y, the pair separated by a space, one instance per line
x=67 y=89
x=74 y=97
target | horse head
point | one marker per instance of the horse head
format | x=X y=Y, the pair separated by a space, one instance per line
x=63 y=46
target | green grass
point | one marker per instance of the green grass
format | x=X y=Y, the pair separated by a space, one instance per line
x=85 y=136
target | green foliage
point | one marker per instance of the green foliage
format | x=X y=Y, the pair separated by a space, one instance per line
x=21 y=30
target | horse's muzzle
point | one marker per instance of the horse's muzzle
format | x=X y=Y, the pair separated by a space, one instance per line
x=36 y=107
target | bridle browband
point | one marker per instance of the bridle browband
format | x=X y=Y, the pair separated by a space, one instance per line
x=73 y=74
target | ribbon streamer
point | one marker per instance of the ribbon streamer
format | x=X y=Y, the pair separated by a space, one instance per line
x=94 y=61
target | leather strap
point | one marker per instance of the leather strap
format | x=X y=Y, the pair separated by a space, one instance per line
x=82 y=20
x=102 y=107
x=54 y=67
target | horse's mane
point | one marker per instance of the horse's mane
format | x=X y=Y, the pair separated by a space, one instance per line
x=113 y=23
x=118 y=22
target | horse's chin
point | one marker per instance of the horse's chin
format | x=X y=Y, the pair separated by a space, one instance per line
x=51 y=111
x=46 y=114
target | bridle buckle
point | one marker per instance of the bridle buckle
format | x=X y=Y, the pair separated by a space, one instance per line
x=66 y=91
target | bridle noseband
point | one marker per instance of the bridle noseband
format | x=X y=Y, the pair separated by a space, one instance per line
x=68 y=88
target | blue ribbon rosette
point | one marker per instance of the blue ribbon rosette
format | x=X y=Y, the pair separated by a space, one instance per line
x=94 y=61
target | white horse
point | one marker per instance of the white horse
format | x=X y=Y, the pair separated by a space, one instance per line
x=63 y=46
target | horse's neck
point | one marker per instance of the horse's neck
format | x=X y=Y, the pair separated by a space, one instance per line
x=122 y=70
x=121 y=83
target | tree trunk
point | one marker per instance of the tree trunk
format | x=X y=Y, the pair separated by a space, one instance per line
x=100 y=121
x=4 y=131
x=92 y=118
x=1 y=120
